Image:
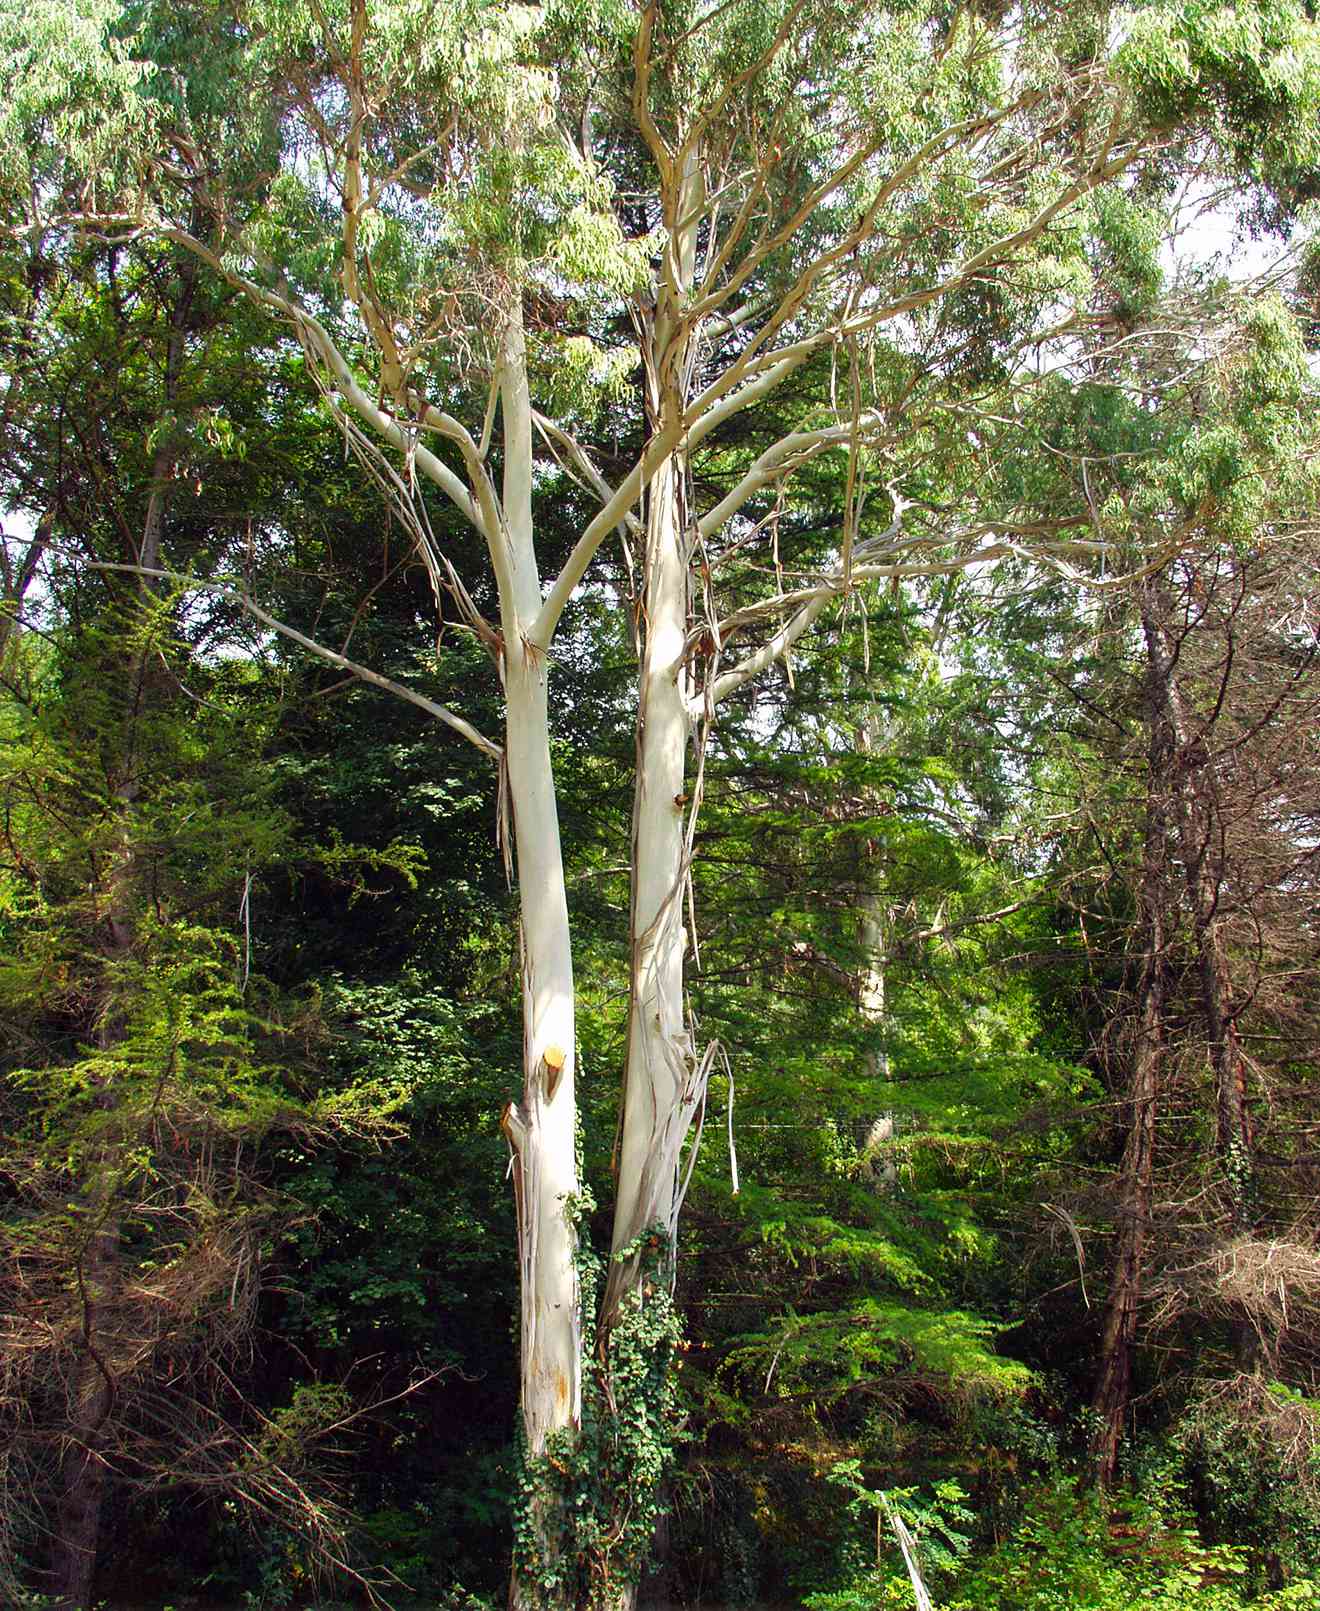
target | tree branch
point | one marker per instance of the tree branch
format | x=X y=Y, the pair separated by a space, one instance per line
x=347 y=382
x=364 y=673
x=781 y=459
x=614 y=513
x=556 y=435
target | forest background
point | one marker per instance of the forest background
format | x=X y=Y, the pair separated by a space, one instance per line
x=907 y=530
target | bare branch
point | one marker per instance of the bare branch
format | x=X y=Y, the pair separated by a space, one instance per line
x=809 y=602
x=781 y=460
x=556 y=435
x=347 y=383
x=364 y=673
x=773 y=649
x=613 y=514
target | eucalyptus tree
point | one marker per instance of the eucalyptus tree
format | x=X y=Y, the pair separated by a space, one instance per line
x=460 y=213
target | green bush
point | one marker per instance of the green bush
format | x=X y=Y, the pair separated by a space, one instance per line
x=1073 y=1552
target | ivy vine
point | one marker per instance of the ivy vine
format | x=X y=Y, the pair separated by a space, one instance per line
x=586 y=1509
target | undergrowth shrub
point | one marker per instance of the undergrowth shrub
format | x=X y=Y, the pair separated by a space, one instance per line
x=1071 y=1551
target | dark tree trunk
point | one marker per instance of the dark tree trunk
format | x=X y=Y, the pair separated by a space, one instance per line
x=1113 y=1388
x=77 y=1531
x=1198 y=820
x=75 y=1537
x=164 y=463
x=17 y=579
x=91 y=1399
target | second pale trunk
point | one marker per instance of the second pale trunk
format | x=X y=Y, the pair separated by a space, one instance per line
x=661 y=1086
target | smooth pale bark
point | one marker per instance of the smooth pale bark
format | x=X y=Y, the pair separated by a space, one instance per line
x=657 y=1090
x=877 y=1154
x=541 y=1125
x=662 y=1085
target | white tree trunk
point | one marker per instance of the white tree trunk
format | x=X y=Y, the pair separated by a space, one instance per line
x=660 y=1059
x=541 y=1126
x=661 y=1084
x=877 y=1154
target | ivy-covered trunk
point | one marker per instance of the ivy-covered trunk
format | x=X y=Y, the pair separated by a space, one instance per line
x=664 y=1079
x=663 y=1083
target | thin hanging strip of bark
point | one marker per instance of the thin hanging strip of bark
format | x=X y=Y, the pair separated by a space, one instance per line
x=907 y=1544
x=733 y=1151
